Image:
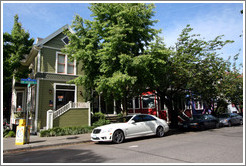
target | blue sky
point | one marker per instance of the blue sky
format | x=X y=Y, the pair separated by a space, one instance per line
x=207 y=19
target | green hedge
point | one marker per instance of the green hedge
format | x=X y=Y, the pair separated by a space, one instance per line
x=60 y=131
x=8 y=133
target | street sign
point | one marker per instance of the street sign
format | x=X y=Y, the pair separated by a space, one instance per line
x=28 y=81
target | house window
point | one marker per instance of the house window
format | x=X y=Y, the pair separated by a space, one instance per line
x=130 y=103
x=61 y=63
x=70 y=67
x=65 y=40
x=64 y=66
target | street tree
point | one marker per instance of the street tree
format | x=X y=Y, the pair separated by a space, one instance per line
x=15 y=45
x=231 y=86
x=194 y=67
x=108 y=45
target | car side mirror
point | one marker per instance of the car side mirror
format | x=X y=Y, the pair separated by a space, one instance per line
x=133 y=122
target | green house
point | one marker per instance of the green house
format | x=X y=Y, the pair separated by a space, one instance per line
x=52 y=70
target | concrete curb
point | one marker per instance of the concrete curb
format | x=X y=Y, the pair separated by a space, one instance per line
x=43 y=146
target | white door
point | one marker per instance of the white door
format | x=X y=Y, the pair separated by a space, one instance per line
x=150 y=124
x=137 y=128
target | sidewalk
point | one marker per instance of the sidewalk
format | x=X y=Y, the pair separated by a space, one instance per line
x=40 y=142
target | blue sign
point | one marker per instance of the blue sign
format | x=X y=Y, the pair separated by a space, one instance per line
x=28 y=81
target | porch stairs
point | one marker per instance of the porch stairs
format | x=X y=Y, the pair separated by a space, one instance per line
x=68 y=106
x=51 y=115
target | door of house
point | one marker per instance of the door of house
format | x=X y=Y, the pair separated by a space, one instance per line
x=64 y=94
x=20 y=101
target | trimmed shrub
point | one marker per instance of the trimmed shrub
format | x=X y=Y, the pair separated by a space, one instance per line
x=97 y=116
x=58 y=131
x=101 y=122
x=9 y=133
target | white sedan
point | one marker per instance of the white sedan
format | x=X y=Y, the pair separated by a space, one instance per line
x=134 y=126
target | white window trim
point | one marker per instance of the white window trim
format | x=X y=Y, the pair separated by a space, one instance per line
x=66 y=64
x=75 y=93
x=64 y=38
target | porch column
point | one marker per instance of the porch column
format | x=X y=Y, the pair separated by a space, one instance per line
x=157 y=106
x=99 y=102
x=133 y=104
x=13 y=104
x=115 y=107
x=49 y=120
x=36 y=109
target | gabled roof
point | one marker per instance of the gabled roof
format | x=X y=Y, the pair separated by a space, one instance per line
x=41 y=42
x=51 y=36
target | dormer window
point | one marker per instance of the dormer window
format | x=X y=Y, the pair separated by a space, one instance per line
x=65 y=40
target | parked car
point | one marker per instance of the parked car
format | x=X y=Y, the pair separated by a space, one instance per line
x=201 y=122
x=230 y=119
x=131 y=126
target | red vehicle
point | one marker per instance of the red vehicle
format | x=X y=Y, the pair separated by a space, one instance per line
x=148 y=103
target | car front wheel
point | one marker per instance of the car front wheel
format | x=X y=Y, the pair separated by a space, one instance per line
x=160 y=131
x=118 y=137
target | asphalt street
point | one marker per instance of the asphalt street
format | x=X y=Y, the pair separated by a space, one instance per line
x=223 y=145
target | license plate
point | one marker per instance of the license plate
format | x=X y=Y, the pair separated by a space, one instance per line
x=185 y=126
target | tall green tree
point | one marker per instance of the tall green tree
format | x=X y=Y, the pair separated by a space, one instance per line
x=231 y=86
x=108 y=45
x=15 y=46
x=203 y=65
x=192 y=67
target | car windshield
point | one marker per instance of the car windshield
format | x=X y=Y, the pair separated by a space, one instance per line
x=124 y=119
x=223 y=116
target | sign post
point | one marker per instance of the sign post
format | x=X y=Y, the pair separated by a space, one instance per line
x=28 y=81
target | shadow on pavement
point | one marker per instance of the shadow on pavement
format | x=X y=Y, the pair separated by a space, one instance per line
x=54 y=156
x=169 y=133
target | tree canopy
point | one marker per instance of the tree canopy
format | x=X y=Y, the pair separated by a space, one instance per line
x=109 y=47
x=15 y=46
x=122 y=55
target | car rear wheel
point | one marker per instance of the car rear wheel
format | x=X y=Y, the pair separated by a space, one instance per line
x=160 y=131
x=118 y=137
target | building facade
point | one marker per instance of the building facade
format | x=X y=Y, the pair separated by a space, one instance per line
x=52 y=71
